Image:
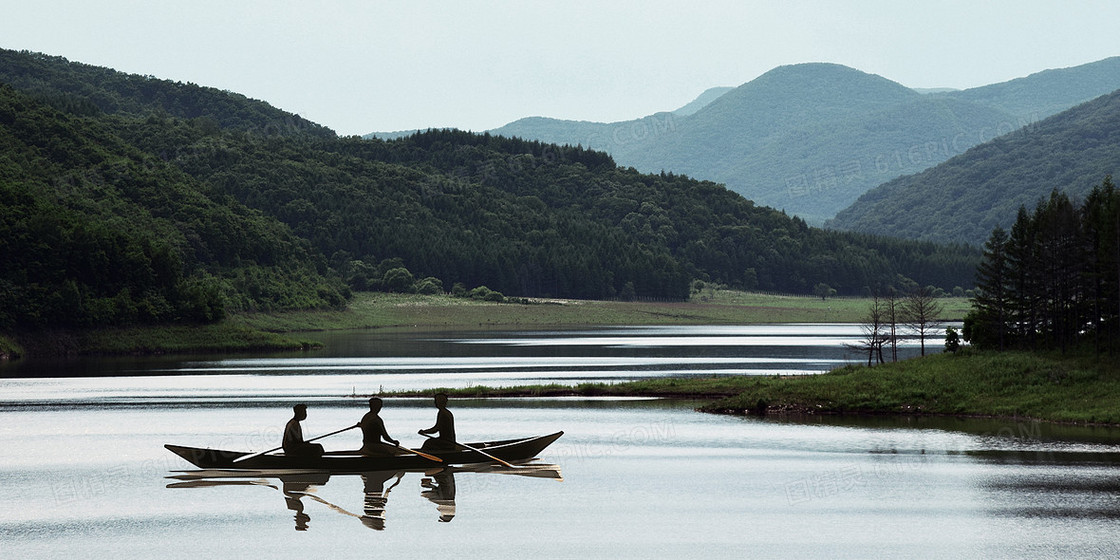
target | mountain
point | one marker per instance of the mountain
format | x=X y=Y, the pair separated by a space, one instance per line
x=586 y=134
x=85 y=89
x=95 y=231
x=703 y=100
x=130 y=213
x=1045 y=93
x=963 y=199
x=811 y=138
x=808 y=138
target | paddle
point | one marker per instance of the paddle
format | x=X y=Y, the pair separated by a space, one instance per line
x=258 y=454
x=422 y=454
x=479 y=451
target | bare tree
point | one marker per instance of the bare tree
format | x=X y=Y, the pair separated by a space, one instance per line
x=894 y=313
x=876 y=331
x=923 y=313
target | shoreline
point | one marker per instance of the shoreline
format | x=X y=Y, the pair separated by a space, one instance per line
x=1081 y=390
x=296 y=330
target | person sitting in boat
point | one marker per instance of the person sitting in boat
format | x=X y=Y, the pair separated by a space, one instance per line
x=293 y=435
x=445 y=427
x=373 y=432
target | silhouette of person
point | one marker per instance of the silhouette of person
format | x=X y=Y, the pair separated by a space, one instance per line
x=293 y=435
x=445 y=427
x=441 y=492
x=373 y=431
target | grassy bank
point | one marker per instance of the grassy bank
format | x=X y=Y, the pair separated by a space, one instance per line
x=296 y=329
x=1009 y=384
x=223 y=337
x=1012 y=384
x=378 y=310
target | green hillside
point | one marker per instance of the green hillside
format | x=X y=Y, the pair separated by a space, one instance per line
x=811 y=138
x=134 y=214
x=1046 y=93
x=84 y=89
x=963 y=199
x=94 y=231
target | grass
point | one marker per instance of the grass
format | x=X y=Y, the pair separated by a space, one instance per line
x=295 y=329
x=378 y=310
x=1077 y=389
x=1084 y=389
x=222 y=337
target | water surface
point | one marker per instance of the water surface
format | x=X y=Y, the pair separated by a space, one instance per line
x=85 y=473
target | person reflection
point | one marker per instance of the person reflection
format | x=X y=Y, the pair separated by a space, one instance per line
x=441 y=492
x=377 y=497
x=294 y=489
x=445 y=427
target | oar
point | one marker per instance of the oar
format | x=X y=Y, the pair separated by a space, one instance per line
x=465 y=446
x=422 y=454
x=258 y=454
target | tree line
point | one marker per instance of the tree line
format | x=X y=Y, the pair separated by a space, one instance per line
x=133 y=211
x=1053 y=281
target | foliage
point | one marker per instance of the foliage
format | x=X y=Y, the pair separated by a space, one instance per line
x=1071 y=388
x=812 y=138
x=132 y=200
x=1055 y=280
x=87 y=90
x=963 y=199
x=95 y=232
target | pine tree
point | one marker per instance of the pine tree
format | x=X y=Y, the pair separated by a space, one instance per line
x=992 y=303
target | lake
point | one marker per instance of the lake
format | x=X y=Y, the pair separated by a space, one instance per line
x=86 y=475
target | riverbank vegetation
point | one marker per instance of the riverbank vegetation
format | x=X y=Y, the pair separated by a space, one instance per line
x=1054 y=281
x=297 y=330
x=1049 y=387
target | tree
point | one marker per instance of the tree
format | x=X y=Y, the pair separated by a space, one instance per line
x=398 y=280
x=823 y=290
x=923 y=313
x=991 y=304
x=875 y=331
x=952 y=340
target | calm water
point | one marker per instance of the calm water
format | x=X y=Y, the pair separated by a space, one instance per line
x=85 y=473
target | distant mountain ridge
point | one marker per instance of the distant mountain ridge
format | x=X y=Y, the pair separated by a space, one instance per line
x=964 y=198
x=811 y=138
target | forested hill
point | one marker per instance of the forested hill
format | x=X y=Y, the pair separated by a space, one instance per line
x=963 y=199
x=811 y=138
x=84 y=89
x=94 y=232
x=142 y=216
x=1046 y=93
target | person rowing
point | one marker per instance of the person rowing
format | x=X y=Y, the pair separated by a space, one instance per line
x=294 y=445
x=445 y=427
x=373 y=432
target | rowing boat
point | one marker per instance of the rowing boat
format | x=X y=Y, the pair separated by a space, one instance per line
x=352 y=461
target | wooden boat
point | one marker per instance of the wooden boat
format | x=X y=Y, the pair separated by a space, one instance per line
x=351 y=461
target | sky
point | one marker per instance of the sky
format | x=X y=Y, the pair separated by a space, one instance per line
x=365 y=66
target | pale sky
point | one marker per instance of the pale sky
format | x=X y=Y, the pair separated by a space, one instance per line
x=365 y=66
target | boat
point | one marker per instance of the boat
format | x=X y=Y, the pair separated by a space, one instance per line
x=511 y=450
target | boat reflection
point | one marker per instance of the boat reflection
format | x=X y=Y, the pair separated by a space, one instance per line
x=436 y=485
